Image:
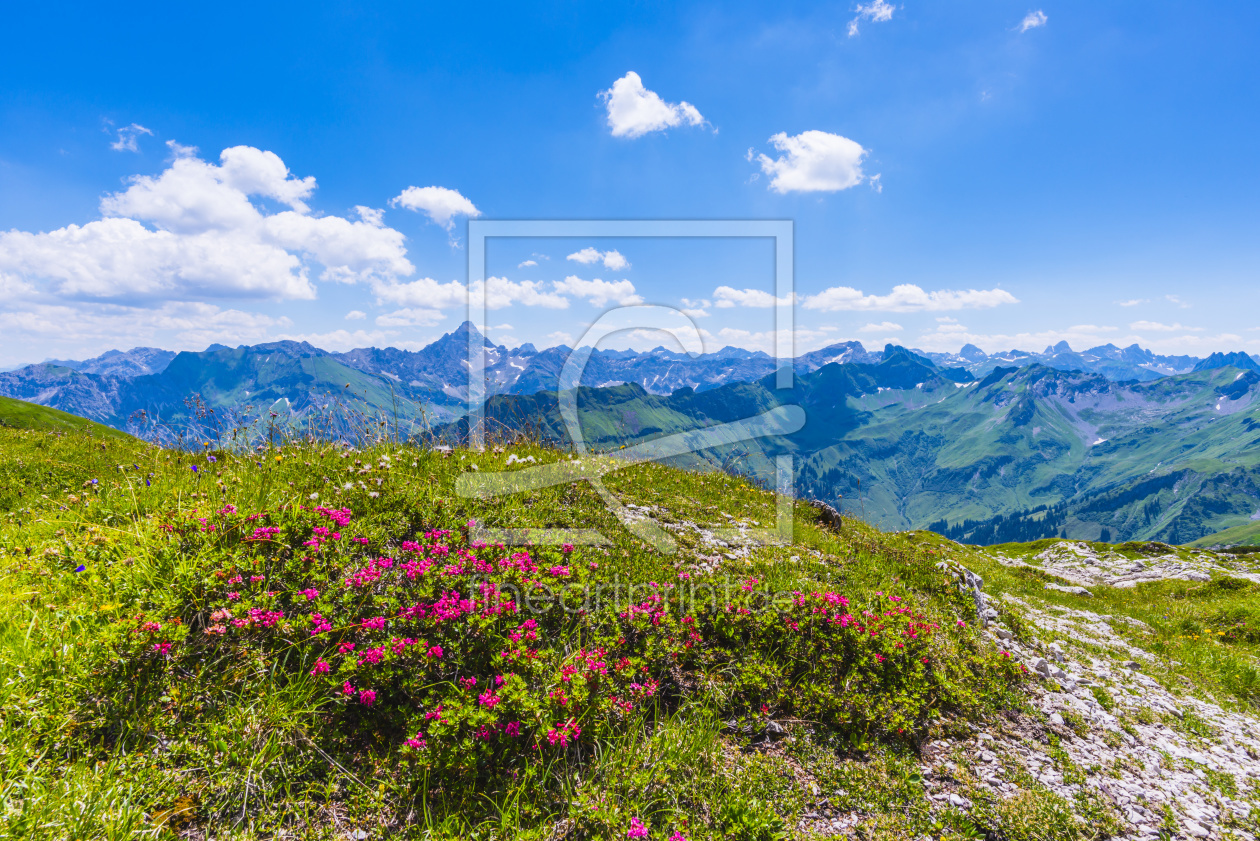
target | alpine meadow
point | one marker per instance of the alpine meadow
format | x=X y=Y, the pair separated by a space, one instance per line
x=690 y=422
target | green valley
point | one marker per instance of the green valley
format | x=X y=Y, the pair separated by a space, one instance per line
x=1021 y=454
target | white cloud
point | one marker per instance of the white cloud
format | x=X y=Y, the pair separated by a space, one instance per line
x=725 y=297
x=122 y=259
x=813 y=161
x=876 y=184
x=1032 y=20
x=342 y=340
x=908 y=298
x=526 y=264
x=501 y=292
x=1132 y=302
x=696 y=307
x=561 y=338
x=599 y=292
x=1163 y=328
x=612 y=260
x=74 y=330
x=356 y=315
x=179 y=150
x=633 y=110
x=882 y=327
x=877 y=11
x=194 y=232
x=440 y=204
x=803 y=339
x=1176 y=299
x=127 y=137
x=410 y=317
x=425 y=292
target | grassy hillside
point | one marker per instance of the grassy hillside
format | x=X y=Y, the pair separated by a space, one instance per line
x=312 y=642
x=1248 y=535
x=19 y=414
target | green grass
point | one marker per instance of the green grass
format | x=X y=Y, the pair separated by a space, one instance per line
x=18 y=414
x=107 y=551
x=111 y=549
x=1206 y=633
x=1246 y=535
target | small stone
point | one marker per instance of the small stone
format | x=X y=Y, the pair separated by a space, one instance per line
x=958 y=800
x=1194 y=829
x=1056 y=719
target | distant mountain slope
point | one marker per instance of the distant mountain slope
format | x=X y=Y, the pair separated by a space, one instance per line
x=18 y=414
x=118 y=363
x=1237 y=359
x=1114 y=363
x=1027 y=451
x=219 y=389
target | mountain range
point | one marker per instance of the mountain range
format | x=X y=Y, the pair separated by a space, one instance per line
x=1020 y=454
x=1110 y=443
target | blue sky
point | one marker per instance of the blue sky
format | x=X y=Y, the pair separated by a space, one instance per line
x=1009 y=174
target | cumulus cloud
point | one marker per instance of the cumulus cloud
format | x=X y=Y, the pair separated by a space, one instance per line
x=882 y=327
x=1176 y=299
x=877 y=11
x=801 y=340
x=1132 y=302
x=696 y=307
x=527 y=264
x=410 y=317
x=343 y=340
x=1032 y=20
x=440 y=204
x=908 y=297
x=356 y=315
x=128 y=137
x=195 y=231
x=599 y=292
x=612 y=260
x=1163 y=328
x=633 y=110
x=500 y=292
x=68 y=330
x=725 y=297
x=424 y=292
x=812 y=161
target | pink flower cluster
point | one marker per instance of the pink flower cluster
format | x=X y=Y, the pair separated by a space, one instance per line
x=562 y=734
x=340 y=516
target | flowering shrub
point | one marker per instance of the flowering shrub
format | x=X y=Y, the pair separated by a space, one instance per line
x=444 y=650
